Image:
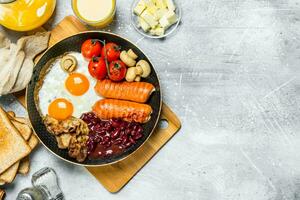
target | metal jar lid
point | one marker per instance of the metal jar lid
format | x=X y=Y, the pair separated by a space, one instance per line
x=31 y=194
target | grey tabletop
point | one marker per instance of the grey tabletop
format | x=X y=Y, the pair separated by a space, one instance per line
x=231 y=74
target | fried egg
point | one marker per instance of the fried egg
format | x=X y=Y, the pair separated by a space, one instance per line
x=64 y=94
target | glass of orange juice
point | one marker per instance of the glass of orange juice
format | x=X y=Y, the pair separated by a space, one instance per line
x=25 y=15
x=97 y=13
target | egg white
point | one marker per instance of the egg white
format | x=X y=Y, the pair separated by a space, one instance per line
x=54 y=87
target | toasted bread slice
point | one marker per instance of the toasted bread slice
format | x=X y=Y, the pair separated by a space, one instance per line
x=11 y=114
x=33 y=141
x=24 y=163
x=13 y=146
x=24 y=129
x=9 y=175
x=24 y=166
x=21 y=124
x=22 y=120
x=2 y=182
x=2 y=194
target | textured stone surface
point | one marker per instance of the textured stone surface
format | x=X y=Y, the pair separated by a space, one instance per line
x=231 y=73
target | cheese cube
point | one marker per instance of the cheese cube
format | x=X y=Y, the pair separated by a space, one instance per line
x=160 y=13
x=170 y=5
x=149 y=18
x=168 y=19
x=139 y=9
x=144 y=25
x=149 y=3
x=164 y=22
x=152 y=9
x=159 y=31
x=154 y=1
x=171 y=16
x=161 y=4
x=152 y=31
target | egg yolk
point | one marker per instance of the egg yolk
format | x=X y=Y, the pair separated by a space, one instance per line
x=77 y=84
x=60 y=109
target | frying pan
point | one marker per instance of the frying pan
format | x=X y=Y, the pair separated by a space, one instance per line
x=73 y=43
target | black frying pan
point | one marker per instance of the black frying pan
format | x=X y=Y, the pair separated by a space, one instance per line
x=73 y=43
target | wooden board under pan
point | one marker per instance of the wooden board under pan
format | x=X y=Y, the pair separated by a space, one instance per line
x=114 y=177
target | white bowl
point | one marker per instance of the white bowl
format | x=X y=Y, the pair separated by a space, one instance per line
x=171 y=29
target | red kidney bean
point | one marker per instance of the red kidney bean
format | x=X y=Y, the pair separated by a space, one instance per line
x=108 y=144
x=133 y=133
x=115 y=134
x=124 y=139
x=118 y=141
x=127 y=131
x=111 y=134
x=132 y=140
x=137 y=137
x=106 y=139
x=128 y=144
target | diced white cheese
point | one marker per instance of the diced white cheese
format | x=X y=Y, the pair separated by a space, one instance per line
x=154 y=1
x=149 y=18
x=139 y=9
x=152 y=31
x=149 y=3
x=152 y=9
x=160 y=13
x=170 y=5
x=164 y=22
x=171 y=16
x=168 y=19
x=161 y=4
x=144 y=25
x=159 y=31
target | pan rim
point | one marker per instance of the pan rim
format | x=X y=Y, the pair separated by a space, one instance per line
x=153 y=128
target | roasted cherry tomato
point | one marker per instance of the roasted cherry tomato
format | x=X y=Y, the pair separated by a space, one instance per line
x=97 y=68
x=117 y=70
x=112 y=51
x=91 y=48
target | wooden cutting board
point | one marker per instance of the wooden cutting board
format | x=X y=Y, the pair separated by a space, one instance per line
x=114 y=177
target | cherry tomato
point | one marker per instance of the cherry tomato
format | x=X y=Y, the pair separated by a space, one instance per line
x=112 y=51
x=91 y=48
x=97 y=68
x=117 y=70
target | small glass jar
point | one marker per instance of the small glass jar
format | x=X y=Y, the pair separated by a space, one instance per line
x=25 y=15
x=97 y=13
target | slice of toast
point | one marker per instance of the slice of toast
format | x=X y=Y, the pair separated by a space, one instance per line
x=24 y=129
x=24 y=163
x=2 y=194
x=13 y=146
x=24 y=166
x=9 y=175
x=33 y=141
x=11 y=113
x=21 y=124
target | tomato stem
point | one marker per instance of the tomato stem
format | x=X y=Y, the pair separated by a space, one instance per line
x=105 y=59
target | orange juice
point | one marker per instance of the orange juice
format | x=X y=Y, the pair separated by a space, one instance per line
x=97 y=13
x=25 y=15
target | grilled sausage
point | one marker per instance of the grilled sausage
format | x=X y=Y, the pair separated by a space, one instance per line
x=129 y=111
x=134 y=91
